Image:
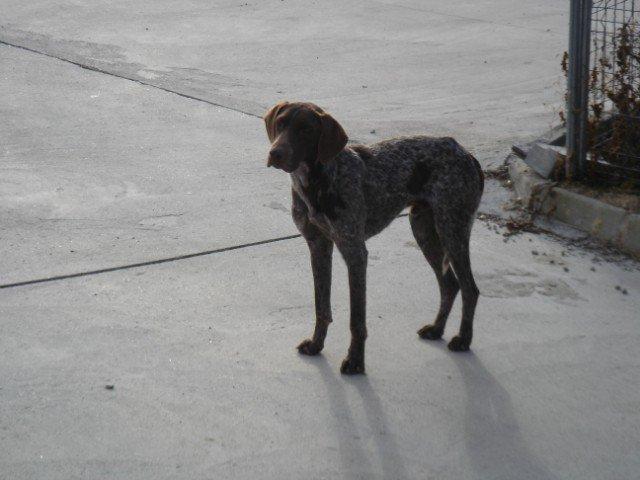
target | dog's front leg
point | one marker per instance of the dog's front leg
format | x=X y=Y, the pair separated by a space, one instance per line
x=355 y=256
x=321 y=250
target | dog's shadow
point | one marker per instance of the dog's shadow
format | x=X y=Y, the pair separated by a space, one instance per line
x=493 y=441
x=357 y=463
x=493 y=438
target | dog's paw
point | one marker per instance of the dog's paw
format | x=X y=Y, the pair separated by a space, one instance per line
x=351 y=366
x=430 y=332
x=459 y=344
x=309 y=347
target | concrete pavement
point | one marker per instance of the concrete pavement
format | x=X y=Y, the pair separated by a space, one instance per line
x=207 y=382
x=486 y=72
x=101 y=171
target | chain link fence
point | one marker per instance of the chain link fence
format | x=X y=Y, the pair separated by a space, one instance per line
x=603 y=101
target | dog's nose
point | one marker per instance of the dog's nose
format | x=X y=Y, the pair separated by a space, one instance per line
x=275 y=156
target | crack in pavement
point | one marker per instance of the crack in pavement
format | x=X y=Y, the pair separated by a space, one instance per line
x=482 y=216
x=154 y=262
x=147 y=263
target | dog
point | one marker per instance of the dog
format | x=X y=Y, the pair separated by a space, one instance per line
x=344 y=194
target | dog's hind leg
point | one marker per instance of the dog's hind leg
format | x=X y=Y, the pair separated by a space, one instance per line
x=424 y=231
x=454 y=231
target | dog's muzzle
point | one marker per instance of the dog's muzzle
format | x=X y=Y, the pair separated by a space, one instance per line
x=277 y=159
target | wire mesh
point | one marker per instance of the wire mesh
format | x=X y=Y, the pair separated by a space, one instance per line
x=614 y=90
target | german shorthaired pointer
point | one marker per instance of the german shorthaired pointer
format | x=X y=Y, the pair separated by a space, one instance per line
x=344 y=195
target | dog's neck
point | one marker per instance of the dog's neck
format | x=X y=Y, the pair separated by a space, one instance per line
x=310 y=174
x=314 y=184
x=301 y=174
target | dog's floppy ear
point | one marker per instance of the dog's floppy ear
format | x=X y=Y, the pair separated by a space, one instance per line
x=270 y=119
x=332 y=138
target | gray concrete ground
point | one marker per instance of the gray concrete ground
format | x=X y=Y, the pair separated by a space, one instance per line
x=99 y=171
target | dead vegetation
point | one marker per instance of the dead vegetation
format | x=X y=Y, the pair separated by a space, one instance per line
x=613 y=123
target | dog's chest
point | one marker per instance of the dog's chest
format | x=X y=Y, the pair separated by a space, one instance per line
x=316 y=195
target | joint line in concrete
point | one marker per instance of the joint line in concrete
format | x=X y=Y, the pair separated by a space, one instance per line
x=124 y=77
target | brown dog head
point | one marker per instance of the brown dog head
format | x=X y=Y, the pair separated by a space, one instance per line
x=302 y=132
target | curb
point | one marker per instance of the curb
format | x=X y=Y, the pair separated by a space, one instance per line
x=601 y=220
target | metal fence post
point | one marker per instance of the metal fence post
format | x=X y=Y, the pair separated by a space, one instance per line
x=578 y=87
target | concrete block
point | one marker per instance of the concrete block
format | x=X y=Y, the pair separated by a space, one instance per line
x=526 y=182
x=600 y=219
x=543 y=159
x=521 y=149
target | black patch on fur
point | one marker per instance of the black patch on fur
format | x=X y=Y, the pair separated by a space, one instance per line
x=419 y=177
x=322 y=198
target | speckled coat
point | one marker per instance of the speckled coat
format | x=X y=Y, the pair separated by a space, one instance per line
x=357 y=192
